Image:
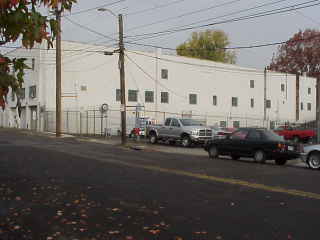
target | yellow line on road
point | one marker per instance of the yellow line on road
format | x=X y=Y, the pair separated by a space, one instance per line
x=231 y=181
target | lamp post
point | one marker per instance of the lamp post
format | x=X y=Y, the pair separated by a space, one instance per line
x=122 y=76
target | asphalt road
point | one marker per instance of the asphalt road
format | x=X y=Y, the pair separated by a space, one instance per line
x=69 y=189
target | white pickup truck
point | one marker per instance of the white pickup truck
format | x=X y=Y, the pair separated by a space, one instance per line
x=186 y=131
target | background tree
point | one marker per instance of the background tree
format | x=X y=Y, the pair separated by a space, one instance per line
x=21 y=20
x=208 y=45
x=299 y=54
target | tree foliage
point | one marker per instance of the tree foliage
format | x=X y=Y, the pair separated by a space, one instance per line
x=300 y=54
x=209 y=45
x=22 y=20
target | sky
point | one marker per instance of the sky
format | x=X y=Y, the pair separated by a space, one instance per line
x=138 y=13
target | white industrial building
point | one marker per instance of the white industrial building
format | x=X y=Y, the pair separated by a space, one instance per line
x=163 y=84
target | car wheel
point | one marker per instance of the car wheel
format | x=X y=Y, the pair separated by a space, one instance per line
x=153 y=138
x=314 y=160
x=296 y=139
x=213 y=152
x=186 y=141
x=259 y=156
x=235 y=157
x=280 y=161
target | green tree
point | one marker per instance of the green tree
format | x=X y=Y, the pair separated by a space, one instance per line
x=209 y=45
x=21 y=20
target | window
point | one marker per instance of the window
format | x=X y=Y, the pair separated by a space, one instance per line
x=236 y=124
x=234 y=102
x=164 y=97
x=193 y=99
x=149 y=96
x=214 y=101
x=83 y=88
x=118 y=95
x=309 y=91
x=268 y=104
x=164 y=73
x=254 y=135
x=33 y=64
x=240 y=135
x=309 y=106
x=252 y=103
x=133 y=95
x=272 y=125
x=167 y=123
x=22 y=93
x=282 y=87
x=223 y=124
x=175 y=123
x=13 y=96
x=251 y=83
x=302 y=106
x=33 y=91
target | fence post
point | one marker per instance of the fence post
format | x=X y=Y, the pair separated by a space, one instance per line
x=80 y=124
x=67 y=121
x=87 y=122
x=101 y=125
x=94 y=122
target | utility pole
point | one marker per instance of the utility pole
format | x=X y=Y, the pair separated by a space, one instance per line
x=122 y=84
x=58 y=74
x=265 y=96
x=318 y=110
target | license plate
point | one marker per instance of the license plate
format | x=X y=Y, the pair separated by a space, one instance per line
x=290 y=148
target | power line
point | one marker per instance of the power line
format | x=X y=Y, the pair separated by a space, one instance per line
x=89 y=29
x=95 y=8
x=186 y=14
x=252 y=16
x=154 y=8
x=147 y=74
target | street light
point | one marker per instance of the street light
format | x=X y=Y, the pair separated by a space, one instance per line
x=122 y=76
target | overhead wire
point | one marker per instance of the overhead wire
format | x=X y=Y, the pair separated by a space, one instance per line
x=252 y=16
x=149 y=76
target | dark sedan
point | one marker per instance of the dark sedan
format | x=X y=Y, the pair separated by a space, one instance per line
x=261 y=144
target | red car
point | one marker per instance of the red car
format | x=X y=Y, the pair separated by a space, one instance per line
x=296 y=135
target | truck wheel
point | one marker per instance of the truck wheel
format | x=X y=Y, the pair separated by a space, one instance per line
x=186 y=141
x=280 y=161
x=153 y=138
x=259 y=156
x=213 y=152
x=296 y=139
x=314 y=160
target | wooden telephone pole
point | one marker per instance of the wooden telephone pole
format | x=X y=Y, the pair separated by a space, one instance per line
x=58 y=75
x=122 y=84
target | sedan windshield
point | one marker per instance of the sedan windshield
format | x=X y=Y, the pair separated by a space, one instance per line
x=190 y=122
x=270 y=135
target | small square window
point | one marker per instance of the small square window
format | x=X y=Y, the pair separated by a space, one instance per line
x=22 y=93
x=118 y=95
x=309 y=106
x=133 y=95
x=236 y=124
x=32 y=92
x=234 y=102
x=223 y=124
x=214 y=101
x=164 y=73
x=193 y=99
x=268 y=104
x=149 y=96
x=309 y=91
x=164 y=97
x=283 y=87
x=83 y=88
x=13 y=96
x=252 y=103
x=251 y=83
x=302 y=106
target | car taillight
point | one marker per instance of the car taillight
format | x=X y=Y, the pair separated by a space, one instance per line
x=221 y=133
x=281 y=146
